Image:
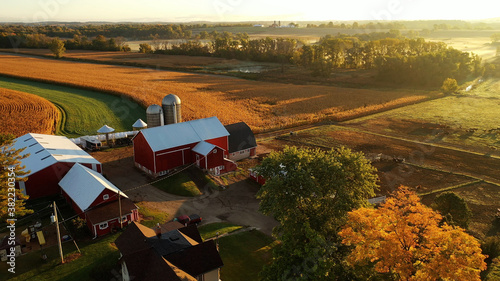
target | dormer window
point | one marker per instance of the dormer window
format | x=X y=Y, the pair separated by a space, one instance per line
x=105 y=197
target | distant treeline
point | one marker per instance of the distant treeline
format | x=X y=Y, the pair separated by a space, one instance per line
x=130 y=31
x=41 y=41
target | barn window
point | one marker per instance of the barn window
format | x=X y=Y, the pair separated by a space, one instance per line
x=214 y=151
x=242 y=152
x=103 y=226
x=124 y=218
x=105 y=197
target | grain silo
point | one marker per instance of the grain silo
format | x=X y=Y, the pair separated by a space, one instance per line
x=172 y=109
x=154 y=115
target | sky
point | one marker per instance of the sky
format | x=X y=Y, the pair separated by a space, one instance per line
x=240 y=10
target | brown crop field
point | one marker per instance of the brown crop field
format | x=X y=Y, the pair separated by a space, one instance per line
x=263 y=105
x=22 y=113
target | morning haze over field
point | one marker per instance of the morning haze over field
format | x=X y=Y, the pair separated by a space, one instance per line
x=249 y=140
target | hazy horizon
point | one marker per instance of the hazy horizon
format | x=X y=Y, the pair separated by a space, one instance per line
x=29 y=11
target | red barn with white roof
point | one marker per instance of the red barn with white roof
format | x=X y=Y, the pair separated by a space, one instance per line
x=95 y=199
x=204 y=142
x=50 y=158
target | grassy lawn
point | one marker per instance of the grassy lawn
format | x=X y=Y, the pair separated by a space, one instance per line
x=179 y=184
x=208 y=231
x=151 y=216
x=244 y=254
x=83 y=111
x=95 y=263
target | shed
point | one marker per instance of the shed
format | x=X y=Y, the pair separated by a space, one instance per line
x=242 y=143
x=95 y=199
x=50 y=158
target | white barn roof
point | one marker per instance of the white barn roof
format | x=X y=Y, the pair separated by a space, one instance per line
x=84 y=185
x=203 y=148
x=46 y=150
x=178 y=134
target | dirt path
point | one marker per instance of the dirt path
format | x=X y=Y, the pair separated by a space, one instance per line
x=237 y=204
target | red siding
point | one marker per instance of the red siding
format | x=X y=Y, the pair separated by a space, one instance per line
x=253 y=151
x=172 y=158
x=99 y=199
x=221 y=142
x=143 y=154
x=114 y=223
x=215 y=159
x=46 y=181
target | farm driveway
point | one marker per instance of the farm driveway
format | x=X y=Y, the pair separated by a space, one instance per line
x=237 y=204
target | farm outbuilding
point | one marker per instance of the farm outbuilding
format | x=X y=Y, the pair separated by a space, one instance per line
x=171 y=252
x=50 y=158
x=242 y=143
x=96 y=200
x=161 y=149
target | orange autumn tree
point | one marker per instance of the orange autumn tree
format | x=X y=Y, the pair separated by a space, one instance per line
x=404 y=238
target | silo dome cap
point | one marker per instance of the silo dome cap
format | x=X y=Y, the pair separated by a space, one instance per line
x=154 y=109
x=171 y=99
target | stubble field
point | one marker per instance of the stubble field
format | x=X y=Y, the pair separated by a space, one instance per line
x=22 y=113
x=262 y=105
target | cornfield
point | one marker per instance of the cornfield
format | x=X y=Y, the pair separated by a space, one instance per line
x=22 y=113
x=262 y=105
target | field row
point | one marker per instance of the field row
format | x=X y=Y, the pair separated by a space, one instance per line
x=22 y=113
x=262 y=105
x=84 y=112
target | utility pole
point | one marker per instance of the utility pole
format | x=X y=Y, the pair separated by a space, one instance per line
x=120 y=206
x=58 y=233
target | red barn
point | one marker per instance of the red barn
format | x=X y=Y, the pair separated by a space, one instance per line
x=161 y=149
x=95 y=199
x=50 y=158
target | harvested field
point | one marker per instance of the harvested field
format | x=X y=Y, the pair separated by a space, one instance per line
x=262 y=105
x=482 y=199
x=458 y=162
x=22 y=113
x=468 y=119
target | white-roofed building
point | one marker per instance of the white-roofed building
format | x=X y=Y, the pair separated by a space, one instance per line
x=161 y=149
x=50 y=158
x=95 y=199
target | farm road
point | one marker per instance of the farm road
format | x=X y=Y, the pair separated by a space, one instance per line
x=237 y=204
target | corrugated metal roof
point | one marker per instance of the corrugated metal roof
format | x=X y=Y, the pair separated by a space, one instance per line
x=203 y=148
x=83 y=185
x=174 y=135
x=46 y=150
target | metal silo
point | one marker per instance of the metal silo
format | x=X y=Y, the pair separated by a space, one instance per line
x=172 y=109
x=154 y=115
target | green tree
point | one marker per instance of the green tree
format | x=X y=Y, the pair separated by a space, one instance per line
x=453 y=208
x=495 y=37
x=450 y=86
x=145 y=48
x=310 y=193
x=56 y=46
x=10 y=172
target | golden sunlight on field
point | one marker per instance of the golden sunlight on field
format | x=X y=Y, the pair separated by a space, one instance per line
x=262 y=105
x=22 y=113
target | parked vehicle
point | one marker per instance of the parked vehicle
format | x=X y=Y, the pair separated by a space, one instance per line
x=188 y=220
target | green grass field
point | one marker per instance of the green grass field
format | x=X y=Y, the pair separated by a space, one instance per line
x=179 y=184
x=83 y=111
x=96 y=262
x=208 y=231
x=470 y=118
x=244 y=254
x=151 y=216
